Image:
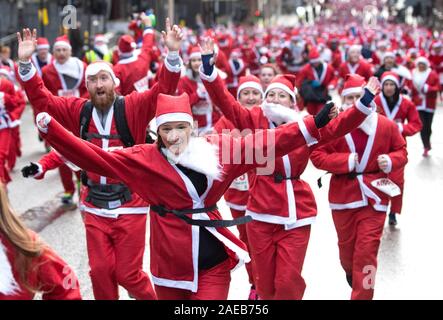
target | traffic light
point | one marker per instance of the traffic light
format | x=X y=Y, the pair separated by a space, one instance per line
x=258 y=13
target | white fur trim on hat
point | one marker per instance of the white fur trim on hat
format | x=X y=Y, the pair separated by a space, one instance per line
x=195 y=55
x=422 y=60
x=277 y=85
x=250 y=84
x=392 y=78
x=170 y=117
x=62 y=44
x=319 y=59
x=43 y=46
x=96 y=67
x=349 y=91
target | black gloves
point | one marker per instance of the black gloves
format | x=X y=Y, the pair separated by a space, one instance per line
x=322 y=118
x=208 y=68
x=30 y=170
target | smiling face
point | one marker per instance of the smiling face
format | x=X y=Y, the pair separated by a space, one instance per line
x=175 y=135
x=195 y=63
x=250 y=97
x=101 y=89
x=266 y=75
x=279 y=96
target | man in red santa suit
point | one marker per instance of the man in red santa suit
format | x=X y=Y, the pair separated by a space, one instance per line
x=115 y=216
x=400 y=109
x=281 y=204
x=192 y=250
x=9 y=112
x=133 y=69
x=319 y=77
x=249 y=94
x=355 y=64
x=359 y=190
x=27 y=265
x=65 y=77
x=237 y=69
x=425 y=86
x=42 y=57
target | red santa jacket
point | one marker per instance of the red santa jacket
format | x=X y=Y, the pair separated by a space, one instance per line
x=424 y=93
x=437 y=64
x=203 y=110
x=362 y=68
x=139 y=110
x=48 y=272
x=291 y=201
x=133 y=71
x=337 y=157
x=237 y=195
x=326 y=79
x=144 y=168
x=11 y=105
x=404 y=114
x=56 y=84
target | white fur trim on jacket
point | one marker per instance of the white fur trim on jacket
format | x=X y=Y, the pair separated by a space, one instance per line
x=8 y=284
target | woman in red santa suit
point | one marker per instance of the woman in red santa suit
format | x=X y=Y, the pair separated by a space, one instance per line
x=27 y=265
x=424 y=91
x=249 y=94
x=281 y=204
x=359 y=190
x=403 y=112
x=203 y=111
x=183 y=177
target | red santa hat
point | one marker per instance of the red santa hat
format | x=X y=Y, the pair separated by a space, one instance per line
x=42 y=43
x=285 y=82
x=100 y=38
x=173 y=108
x=62 y=42
x=389 y=54
x=98 y=66
x=126 y=45
x=389 y=75
x=194 y=52
x=353 y=84
x=423 y=60
x=314 y=55
x=250 y=81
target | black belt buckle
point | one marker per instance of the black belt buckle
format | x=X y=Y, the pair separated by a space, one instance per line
x=278 y=177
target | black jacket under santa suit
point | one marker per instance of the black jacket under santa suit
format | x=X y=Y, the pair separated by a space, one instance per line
x=139 y=110
x=174 y=243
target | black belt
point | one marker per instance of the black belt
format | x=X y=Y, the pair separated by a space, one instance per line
x=279 y=178
x=162 y=211
x=108 y=196
x=350 y=175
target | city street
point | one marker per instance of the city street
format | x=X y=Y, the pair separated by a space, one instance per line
x=410 y=259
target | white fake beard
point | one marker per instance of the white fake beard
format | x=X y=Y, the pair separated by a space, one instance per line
x=103 y=49
x=200 y=156
x=8 y=285
x=279 y=114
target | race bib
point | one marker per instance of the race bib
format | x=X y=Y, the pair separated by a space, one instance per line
x=386 y=186
x=142 y=84
x=69 y=93
x=241 y=183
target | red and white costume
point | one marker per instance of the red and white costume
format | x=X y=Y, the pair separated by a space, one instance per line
x=282 y=211
x=237 y=69
x=42 y=44
x=406 y=116
x=358 y=208
x=110 y=232
x=175 y=244
x=48 y=272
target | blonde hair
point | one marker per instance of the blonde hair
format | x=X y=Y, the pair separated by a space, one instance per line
x=27 y=248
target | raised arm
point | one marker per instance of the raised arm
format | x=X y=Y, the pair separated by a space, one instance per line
x=144 y=103
x=65 y=110
x=218 y=92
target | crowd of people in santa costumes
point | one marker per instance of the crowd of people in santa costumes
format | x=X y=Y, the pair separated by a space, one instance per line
x=233 y=82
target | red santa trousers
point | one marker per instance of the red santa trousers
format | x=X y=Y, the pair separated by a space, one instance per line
x=359 y=232
x=278 y=256
x=115 y=251
x=213 y=284
x=244 y=237
x=66 y=177
x=5 y=136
